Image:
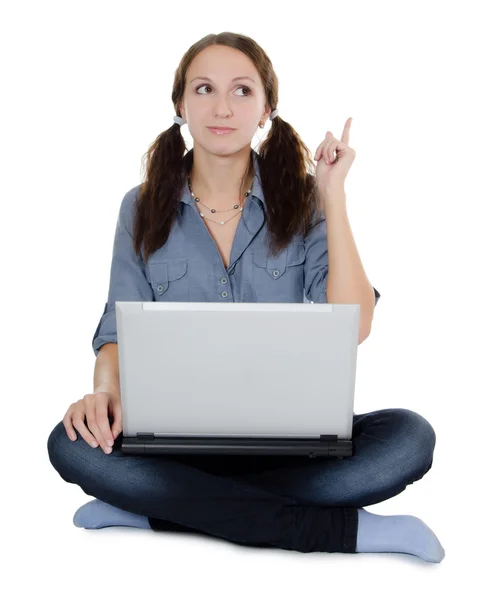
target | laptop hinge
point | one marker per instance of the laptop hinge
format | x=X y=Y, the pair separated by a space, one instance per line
x=145 y=434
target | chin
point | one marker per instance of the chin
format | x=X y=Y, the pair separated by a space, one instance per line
x=225 y=149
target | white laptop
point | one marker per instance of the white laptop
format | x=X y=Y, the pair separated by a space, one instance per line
x=238 y=378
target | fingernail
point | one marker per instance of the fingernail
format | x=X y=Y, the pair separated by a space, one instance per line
x=109 y=442
x=94 y=444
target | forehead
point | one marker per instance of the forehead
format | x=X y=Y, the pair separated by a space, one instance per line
x=222 y=63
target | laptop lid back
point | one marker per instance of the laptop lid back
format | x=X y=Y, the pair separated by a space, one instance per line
x=240 y=369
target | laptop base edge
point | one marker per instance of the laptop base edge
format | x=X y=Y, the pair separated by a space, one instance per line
x=328 y=446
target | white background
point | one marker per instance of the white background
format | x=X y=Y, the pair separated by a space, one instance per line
x=86 y=90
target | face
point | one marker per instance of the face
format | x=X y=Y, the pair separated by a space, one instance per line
x=220 y=101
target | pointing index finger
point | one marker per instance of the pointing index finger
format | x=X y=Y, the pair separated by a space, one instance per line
x=346 y=131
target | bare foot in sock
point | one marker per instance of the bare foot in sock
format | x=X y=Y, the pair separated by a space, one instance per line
x=97 y=514
x=397 y=533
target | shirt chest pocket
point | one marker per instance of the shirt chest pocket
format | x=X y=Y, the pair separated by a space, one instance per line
x=280 y=278
x=169 y=280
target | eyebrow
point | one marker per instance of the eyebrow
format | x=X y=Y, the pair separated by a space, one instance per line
x=208 y=79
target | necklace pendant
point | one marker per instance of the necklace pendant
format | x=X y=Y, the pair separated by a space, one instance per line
x=222 y=222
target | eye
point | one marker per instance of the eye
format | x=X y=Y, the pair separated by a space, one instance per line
x=209 y=86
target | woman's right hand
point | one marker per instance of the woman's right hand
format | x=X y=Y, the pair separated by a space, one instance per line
x=95 y=408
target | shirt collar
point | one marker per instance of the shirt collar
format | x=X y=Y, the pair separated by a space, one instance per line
x=257 y=192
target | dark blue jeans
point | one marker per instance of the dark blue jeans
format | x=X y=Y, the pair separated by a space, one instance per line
x=295 y=503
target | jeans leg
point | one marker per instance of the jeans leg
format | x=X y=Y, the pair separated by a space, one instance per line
x=393 y=448
x=163 y=487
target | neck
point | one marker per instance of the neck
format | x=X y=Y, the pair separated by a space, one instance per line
x=219 y=178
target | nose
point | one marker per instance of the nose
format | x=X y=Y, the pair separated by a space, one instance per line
x=221 y=115
x=222 y=110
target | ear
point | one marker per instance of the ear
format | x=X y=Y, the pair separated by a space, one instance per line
x=265 y=116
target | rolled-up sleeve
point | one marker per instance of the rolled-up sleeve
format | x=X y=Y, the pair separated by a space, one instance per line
x=127 y=278
x=316 y=265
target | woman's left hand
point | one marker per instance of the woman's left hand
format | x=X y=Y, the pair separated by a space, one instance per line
x=331 y=175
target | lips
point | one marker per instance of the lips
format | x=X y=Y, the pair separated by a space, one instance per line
x=222 y=128
x=220 y=132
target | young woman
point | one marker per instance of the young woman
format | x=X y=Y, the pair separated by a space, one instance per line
x=224 y=223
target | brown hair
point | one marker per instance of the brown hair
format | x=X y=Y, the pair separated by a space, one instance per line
x=286 y=165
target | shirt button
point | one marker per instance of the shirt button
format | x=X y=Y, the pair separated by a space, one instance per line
x=223 y=280
x=231 y=272
x=160 y=288
x=276 y=273
x=224 y=294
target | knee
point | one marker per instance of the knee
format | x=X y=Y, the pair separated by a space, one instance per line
x=418 y=434
x=57 y=445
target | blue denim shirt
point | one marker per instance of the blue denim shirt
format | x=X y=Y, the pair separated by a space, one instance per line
x=189 y=267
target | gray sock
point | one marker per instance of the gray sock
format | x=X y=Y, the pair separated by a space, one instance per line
x=376 y=533
x=97 y=514
x=398 y=533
